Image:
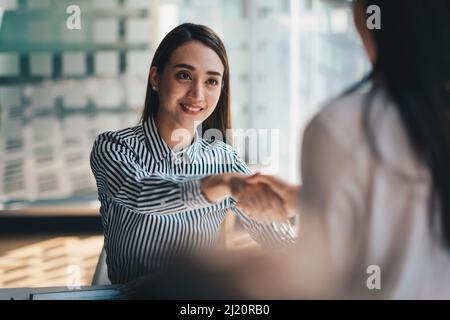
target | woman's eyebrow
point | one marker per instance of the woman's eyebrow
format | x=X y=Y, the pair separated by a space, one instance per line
x=188 y=66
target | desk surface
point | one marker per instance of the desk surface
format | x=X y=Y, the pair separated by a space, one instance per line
x=25 y=293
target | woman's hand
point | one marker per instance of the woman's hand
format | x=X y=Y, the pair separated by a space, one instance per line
x=261 y=203
x=256 y=199
x=218 y=187
x=268 y=198
x=264 y=198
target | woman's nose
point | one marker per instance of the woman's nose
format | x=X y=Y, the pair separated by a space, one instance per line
x=196 y=90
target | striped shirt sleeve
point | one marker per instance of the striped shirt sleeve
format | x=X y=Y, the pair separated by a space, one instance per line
x=121 y=177
x=273 y=235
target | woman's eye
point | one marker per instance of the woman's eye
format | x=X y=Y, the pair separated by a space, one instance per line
x=183 y=76
x=213 y=82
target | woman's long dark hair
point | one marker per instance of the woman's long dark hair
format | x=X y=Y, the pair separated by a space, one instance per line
x=220 y=119
x=413 y=64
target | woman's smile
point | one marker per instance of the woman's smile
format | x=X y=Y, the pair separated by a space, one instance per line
x=191 y=109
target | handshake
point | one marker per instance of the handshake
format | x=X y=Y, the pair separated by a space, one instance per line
x=264 y=198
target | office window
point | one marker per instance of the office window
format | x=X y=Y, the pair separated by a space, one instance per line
x=41 y=64
x=286 y=58
x=107 y=63
x=74 y=64
x=9 y=64
x=60 y=88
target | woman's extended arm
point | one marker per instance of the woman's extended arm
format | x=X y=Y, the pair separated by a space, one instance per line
x=121 y=177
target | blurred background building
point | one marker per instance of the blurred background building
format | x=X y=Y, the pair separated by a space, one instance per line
x=61 y=87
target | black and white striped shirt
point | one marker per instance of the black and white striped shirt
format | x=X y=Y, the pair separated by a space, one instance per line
x=152 y=207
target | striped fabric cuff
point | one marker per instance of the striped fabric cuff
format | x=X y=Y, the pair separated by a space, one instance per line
x=192 y=196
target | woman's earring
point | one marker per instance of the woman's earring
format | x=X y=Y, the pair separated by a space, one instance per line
x=154 y=88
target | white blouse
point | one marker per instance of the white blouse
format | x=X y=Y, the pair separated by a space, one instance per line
x=375 y=211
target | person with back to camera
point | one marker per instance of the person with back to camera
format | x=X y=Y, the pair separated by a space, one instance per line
x=376 y=165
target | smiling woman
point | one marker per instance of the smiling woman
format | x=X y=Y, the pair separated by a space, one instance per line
x=164 y=194
x=190 y=90
x=192 y=64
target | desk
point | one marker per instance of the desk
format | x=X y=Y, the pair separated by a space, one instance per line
x=85 y=292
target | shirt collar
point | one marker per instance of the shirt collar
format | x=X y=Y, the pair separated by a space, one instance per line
x=160 y=150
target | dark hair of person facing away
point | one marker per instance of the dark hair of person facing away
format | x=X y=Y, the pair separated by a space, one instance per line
x=220 y=119
x=413 y=65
